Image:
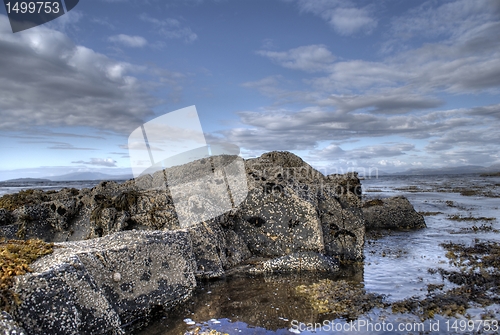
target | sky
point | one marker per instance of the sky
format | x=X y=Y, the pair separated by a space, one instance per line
x=347 y=85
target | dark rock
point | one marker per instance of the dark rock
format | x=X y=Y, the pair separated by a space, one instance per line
x=392 y=213
x=291 y=207
x=5 y=217
x=280 y=215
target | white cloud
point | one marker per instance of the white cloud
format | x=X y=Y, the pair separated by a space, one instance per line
x=306 y=129
x=171 y=28
x=109 y=162
x=348 y=21
x=66 y=23
x=50 y=81
x=267 y=86
x=445 y=19
x=311 y=58
x=129 y=41
x=396 y=163
x=391 y=102
x=460 y=53
x=438 y=49
x=60 y=145
x=343 y=16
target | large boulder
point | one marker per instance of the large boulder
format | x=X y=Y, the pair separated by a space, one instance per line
x=291 y=207
x=105 y=285
x=392 y=213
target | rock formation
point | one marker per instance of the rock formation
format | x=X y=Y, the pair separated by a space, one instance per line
x=122 y=253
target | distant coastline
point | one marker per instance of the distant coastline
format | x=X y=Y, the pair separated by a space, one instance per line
x=491 y=174
x=26 y=180
x=75 y=176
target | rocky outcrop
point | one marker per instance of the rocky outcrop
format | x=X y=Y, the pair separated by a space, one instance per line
x=392 y=213
x=123 y=254
x=290 y=207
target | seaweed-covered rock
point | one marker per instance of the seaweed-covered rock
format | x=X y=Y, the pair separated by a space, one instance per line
x=290 y=207
x=392 y=213
x=5 y=217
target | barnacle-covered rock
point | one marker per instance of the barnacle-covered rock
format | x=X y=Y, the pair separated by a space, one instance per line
x=76 y=290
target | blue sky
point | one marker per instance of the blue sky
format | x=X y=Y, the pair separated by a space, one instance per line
x=388 y=84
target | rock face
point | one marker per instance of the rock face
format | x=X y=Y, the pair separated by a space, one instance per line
x=392 y=213
x=123 y=254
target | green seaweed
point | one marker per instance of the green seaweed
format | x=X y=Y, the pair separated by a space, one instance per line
x=477 y=277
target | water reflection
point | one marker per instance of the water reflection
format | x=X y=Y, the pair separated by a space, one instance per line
x=267 y=302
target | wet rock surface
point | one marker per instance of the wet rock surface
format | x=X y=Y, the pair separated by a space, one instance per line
x=296 y=262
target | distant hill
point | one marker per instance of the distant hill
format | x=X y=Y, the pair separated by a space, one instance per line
x=26 y=180
x=77 y=176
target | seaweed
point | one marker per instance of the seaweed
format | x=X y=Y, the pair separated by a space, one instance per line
x=26 y=197
x=373 y=202
x=469 y=218
x=200 y=331
x=477 y=277
x=122 y=202
x=340 y=298
x=15 y=258
x=490 y=174
x=430 y=213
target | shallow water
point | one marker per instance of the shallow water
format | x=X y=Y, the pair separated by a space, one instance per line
x=396 y=265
